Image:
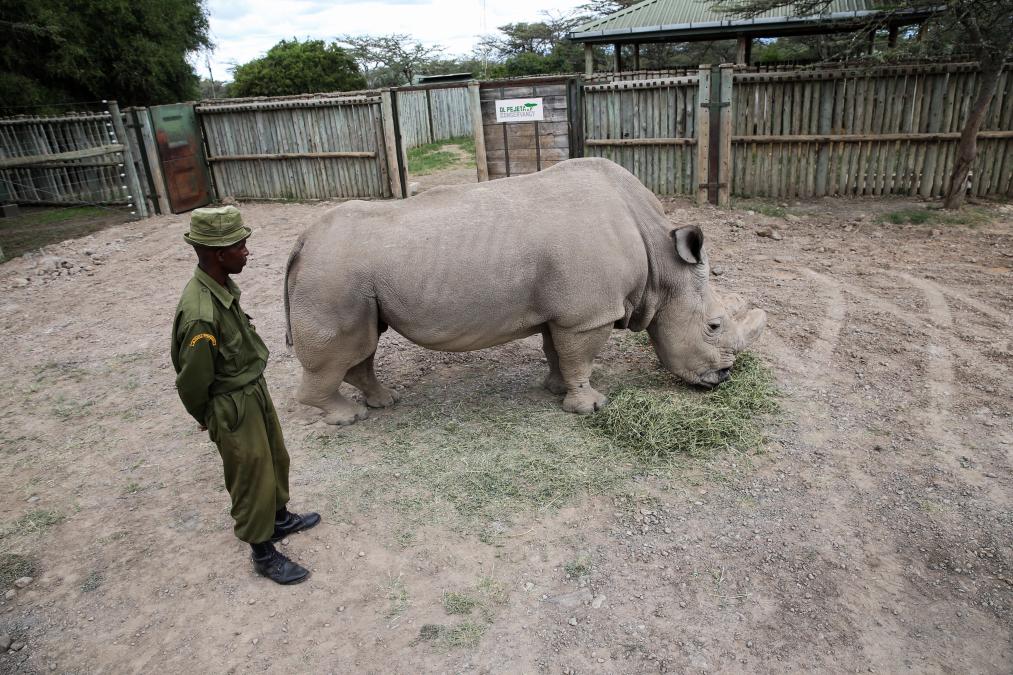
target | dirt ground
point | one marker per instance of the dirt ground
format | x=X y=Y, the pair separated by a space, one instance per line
x=873 y=533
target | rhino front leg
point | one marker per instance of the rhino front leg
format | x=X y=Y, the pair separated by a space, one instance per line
x=554 y=380
x=363 y=376
x=576 y=353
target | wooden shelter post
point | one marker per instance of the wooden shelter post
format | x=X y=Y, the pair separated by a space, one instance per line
x=636 y=56
x=588 y=59
x=744 y=51
x=618 y=58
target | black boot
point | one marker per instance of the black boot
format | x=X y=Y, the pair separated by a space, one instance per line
x=270 y=563
x=286 y=523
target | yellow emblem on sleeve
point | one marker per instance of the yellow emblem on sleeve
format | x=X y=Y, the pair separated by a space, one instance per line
x=204 y=336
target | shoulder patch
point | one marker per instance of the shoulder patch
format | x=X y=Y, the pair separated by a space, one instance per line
x=206 y=306
x=204 y=336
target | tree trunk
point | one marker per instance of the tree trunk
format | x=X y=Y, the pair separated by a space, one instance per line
x=967 y=150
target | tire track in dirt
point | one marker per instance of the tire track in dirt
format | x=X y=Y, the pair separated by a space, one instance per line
x=830 y=329
x=938 y=365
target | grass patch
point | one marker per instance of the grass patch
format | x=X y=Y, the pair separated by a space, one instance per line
x=458 y=603
x=35 y=522
x=474 y=464
x=763 y=208
x=465 y=634
x=14 y=566
x=92 y=582
x=397 y=593
x=577 y=568
x=431 y=157
x=37 y=227
x=967 y=215
x=653 y=426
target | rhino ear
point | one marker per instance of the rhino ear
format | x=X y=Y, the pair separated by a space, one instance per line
x=689 y=243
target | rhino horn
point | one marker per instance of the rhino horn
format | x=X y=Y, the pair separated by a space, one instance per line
x=750 y=326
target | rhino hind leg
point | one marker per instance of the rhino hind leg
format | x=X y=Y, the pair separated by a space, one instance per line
x=576 y=353
x=554 y=380
x=363 y=377
x=319 y=389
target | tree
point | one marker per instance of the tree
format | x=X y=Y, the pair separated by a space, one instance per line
x=294 y=67
x=134 y=51
x=390 y=60
x=980 y=28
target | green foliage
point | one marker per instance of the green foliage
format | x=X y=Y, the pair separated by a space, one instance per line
x=134 y=51
x=294 y=67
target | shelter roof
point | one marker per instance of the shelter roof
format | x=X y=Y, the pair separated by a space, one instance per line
x=674 y=20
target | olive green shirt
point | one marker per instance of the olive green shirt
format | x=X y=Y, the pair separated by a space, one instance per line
x=214 y=346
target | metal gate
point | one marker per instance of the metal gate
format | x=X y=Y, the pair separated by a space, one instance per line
x=181 y=155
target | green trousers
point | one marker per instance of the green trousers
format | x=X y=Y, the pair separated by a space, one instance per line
x=245 y=427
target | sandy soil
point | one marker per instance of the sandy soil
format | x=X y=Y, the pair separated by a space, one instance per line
x=874 y=533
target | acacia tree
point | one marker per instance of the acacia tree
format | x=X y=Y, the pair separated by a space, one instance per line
x=390 y=59
x=982 y=29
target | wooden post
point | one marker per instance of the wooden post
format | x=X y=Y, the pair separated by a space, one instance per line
x=588 y=59
x=872 y=40
x=892 y=38
x=749 y=51
x=703 y=132
x=725 y=152
x=742 y=55
x=429 y=116
x=390 y=146
x=481 y=163
x=154 y=163
x=617 y=59
x=133 y=184
x=636 y=56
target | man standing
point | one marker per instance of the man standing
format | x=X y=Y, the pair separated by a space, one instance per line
x=219 y=361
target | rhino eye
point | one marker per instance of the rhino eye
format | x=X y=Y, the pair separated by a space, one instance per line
x=714 y=325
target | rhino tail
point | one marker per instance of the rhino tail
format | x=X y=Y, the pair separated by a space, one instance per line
x=293 y=258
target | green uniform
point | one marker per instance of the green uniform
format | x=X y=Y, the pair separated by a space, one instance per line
x=219 y=361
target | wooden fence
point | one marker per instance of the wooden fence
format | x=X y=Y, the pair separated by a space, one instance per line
x=81 y=158
x=804 y=133
x=322 y=148
x=890 y=130
x=429 y=114
x=647 y=126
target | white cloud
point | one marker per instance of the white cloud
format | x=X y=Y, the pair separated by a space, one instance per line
x=244 y=30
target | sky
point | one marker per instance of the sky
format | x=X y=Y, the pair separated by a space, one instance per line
x=243 y=30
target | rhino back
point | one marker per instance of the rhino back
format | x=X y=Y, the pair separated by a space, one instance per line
x=470 y=266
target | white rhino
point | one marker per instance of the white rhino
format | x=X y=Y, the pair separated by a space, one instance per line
x=570 y=252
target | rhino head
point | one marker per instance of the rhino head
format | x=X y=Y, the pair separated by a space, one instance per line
x=695 y=334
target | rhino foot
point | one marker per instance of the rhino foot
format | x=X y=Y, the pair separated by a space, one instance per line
x=554 y=383
x=584 y=401
x=383 y=398
x=345 y=415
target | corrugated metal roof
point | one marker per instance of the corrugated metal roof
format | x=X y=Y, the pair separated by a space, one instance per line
x=658 y=13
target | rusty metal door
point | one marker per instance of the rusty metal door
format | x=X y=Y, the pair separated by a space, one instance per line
x=181 y=155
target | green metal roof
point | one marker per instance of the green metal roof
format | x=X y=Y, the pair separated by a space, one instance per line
x=675 y=18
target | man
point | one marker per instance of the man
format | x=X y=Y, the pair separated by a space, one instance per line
x=219 y=361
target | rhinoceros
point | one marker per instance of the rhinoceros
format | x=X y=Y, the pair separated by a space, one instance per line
x=571 y=252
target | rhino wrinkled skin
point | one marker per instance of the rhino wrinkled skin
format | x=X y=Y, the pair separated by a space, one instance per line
x=570 y=252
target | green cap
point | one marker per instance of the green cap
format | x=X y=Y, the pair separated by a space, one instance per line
x=216 y=227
